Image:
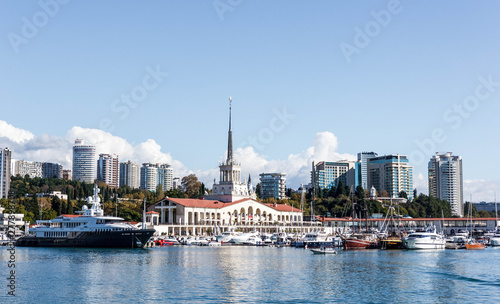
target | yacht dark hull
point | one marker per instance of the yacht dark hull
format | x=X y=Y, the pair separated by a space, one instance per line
x=110 y=239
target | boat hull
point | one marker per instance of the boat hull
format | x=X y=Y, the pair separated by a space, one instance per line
x=413 y=245
x=359 y=244
x=324 y=251
x=474 y=246
x=391 y=244
x=111 y=239
x=495 y=241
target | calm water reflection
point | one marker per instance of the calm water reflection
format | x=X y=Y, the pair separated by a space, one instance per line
x=194 y=274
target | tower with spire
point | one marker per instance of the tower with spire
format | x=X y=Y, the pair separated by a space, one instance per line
x=230 y=188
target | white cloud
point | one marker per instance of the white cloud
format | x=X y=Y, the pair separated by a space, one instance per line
x=421 y=183
x=297 y=166
x=59 y=149
x=480 y=189
x=47 y=148
x=10 y=133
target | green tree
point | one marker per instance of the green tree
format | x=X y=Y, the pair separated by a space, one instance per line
x=56 y=205
x=359 y=193
x=257 y=190
x=159 y=192
x=340 y=189
x=191 y=185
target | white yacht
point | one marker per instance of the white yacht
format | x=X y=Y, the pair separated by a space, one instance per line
x=424 y=240
x=90 y=229
x=320 y=238
x=226 y=236
x=495 y=239
x=241 y=238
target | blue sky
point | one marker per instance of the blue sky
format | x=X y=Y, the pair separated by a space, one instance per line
x=416 y=65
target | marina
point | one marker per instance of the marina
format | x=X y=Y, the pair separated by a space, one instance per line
x=239 y=274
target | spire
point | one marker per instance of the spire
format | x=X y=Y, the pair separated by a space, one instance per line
x=230 y=136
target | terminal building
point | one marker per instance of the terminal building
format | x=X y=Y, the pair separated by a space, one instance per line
x=231 y=205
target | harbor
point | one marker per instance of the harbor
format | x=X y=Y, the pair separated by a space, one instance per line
x=251 y=274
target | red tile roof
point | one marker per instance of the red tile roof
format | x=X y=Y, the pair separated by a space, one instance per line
x=152 y=212
x=200 y=203
x=283 y=207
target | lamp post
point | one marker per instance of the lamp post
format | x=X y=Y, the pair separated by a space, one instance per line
x=144 y=215
x=116 y=205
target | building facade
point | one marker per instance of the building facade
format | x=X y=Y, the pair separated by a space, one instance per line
x=272 y=185
x=232 y=205
x=23 y=168
x=153 y=175
x=5 y=167
x=108 y=169
x=446 y=180
x=52 y=170
x=328 y=174
x=166 y=177
x=391 y=173
x=363 y=163
x=130 y=174
x=84 y=162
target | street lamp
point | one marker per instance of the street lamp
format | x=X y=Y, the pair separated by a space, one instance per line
x=144 y=216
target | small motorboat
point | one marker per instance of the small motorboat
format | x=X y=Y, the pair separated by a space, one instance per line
x=327 y=250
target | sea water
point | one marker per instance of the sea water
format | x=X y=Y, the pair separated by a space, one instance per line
x=234 y=274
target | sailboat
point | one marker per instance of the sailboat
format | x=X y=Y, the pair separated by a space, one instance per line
x=473 y=244
x=360 y=240
x=495 y=239
x=395 y=241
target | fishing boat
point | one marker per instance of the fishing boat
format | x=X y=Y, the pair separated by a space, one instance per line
x=90 y=229
x=361 y=241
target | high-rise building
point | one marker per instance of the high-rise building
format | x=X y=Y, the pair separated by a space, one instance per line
x=5 y=167
x=230 y=188
x=149 y=175
x=153 y=175
x=391 y=173
x=363 y=172
x=23 y=168
x=166 y=177
x=52 y=170
x=446 y=180
x=108 y=169
x=272 y=185
x=84 y=162
x=130 y=174
x=329 y=174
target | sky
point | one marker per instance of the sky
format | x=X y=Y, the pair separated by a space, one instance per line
x=310 y=81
